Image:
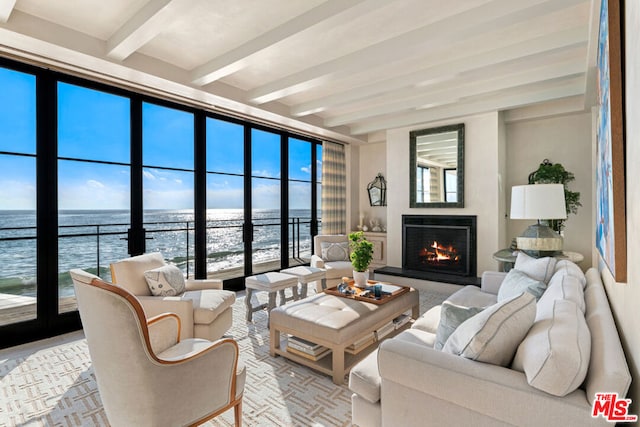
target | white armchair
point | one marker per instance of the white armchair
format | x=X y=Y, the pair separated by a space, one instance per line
x=147 y=375
x=205 y=310
x=337 y=266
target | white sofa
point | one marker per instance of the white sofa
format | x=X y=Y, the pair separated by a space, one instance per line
x=407 y=382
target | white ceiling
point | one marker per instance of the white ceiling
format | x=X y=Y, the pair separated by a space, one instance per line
x=342 y=69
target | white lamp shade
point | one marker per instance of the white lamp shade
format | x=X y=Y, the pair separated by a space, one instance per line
x=538 y=201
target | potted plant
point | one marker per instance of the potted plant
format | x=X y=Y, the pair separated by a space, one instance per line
x=361 y=256
x=549 y=173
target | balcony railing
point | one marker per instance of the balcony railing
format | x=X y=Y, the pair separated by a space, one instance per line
x=104 y=237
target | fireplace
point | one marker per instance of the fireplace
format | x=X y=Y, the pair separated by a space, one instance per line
x=439 y=246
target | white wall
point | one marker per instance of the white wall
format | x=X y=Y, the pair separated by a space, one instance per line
x=482 y=169
x=566 y=140
x=373 y=160
x=625 y=297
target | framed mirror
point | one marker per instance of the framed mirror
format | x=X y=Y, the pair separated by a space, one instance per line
x=436 y=167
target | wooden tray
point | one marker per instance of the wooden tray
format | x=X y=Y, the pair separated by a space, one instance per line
x=357 y=295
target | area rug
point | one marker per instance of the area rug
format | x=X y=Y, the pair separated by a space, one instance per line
x=51 y=382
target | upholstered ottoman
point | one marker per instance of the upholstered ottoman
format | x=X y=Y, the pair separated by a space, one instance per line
x=305 y=275
x=271 y=282
x=337 y=323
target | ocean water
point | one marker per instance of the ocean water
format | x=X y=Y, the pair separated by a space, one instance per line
x=91 y=240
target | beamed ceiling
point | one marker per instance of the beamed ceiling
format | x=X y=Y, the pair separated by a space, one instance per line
x=342 y=69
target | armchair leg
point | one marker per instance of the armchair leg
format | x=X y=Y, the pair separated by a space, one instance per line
x=237 y=413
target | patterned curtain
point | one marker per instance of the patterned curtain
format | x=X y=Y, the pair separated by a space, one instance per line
x=334 y=189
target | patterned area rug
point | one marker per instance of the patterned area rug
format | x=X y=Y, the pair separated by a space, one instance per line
x=51 y=382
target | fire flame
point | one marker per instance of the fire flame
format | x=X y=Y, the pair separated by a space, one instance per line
x=440 y=253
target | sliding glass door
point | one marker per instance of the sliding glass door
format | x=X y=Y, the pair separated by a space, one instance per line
x=168 y=184
x=225 y=199
x=18 y=243
x=93 y=184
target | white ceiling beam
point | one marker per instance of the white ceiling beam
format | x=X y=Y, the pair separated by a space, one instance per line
x=473 y=88
x=6 y=7
x=481 y=58
x=237 y=58
x=570 y=105
x=147 y=23
x=591 y=92
x=498 y=103
x=421 y=41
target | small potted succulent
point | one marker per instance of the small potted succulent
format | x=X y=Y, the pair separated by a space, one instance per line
x=361 y=256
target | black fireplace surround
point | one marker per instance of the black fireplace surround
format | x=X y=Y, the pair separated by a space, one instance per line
x=439 y=248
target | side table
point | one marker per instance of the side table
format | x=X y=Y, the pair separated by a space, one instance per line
x=508 y=257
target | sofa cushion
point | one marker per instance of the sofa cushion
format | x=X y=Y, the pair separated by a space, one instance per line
x=335 y=251
x=472 y=296
x=555 y=353
x=165 y=281
x=560 y=287
x=452 y=316
x=429 y=321
x=517 y=282
x=566 y=267
x=538 y=268
x=493 y=335
x=364 y=378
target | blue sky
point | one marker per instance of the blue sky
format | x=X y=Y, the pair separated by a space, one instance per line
x=95 y=125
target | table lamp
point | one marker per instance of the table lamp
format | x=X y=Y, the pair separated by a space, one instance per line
x=540 y=202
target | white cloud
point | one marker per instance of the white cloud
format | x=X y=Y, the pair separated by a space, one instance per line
x=306 y=169
x=179 y=181
x=148 y=174
x=17 y=195
x=95 y=184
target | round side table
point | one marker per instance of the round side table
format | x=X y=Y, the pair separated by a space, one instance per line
x=508 y=257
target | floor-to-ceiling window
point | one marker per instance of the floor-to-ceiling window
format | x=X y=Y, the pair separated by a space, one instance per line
x=90 y=174
x=225 y=198
x=300 y=200
x=266 y=214
x=168 y=183
x=18 y=255
x=93 y=183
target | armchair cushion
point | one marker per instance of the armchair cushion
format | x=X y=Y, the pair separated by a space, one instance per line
x=208 y=305
x=335 y=251
x=202 y=284
x=493 y=335
x=129 y=273
x=165 y=281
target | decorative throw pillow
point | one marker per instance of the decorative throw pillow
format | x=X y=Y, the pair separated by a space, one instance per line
x=538 y=268
x=555 y=353
x=165 y=281
x=452 y=316
x=493 y=335
x=335 y=251
x=517 y=282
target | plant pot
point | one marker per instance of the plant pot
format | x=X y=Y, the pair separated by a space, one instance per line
x=360 y=278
